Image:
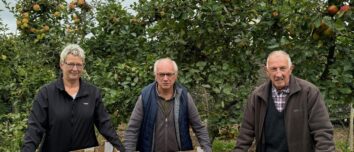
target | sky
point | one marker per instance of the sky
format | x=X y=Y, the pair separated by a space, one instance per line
x=8 y=18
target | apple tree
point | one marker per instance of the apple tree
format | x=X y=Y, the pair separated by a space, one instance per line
x=211 y=42
x=120 y=58
x=221 y=45
x=29 y=59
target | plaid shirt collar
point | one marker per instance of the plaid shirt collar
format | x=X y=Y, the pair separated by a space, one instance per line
x=285 y=90
x=279 y=97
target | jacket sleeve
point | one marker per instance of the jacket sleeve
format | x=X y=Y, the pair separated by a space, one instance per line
x=37 y=123
x=132 y=132
x=247 y=131
x=320 y=125
x=197 y=126
x=104 y=124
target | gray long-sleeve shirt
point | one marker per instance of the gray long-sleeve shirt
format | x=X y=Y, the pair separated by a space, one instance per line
x=165 y=132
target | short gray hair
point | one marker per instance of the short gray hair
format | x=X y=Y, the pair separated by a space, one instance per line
x=282 y=53
x=175 y=67
x=73 y=49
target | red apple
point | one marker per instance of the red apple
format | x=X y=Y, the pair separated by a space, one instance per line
x=332 y=10
x=345 y=8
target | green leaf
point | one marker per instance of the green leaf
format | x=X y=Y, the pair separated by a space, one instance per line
x=216 y=90
x=339 y=24
x=273 y=46
x=345 y=90
x=4 y=57
x=284 y=41
x=206 y=86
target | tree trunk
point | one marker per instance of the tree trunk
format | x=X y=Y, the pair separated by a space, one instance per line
x=351 y=127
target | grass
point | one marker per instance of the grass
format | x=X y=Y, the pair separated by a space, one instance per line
x=223 y=145
x=340 y=138
x=227 y=145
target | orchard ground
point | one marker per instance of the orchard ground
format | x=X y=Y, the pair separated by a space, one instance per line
x=341 y=135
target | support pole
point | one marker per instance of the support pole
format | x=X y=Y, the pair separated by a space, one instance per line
x=351 y=127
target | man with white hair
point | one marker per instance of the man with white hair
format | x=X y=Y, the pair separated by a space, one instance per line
x=163 y=115
x=285 y=114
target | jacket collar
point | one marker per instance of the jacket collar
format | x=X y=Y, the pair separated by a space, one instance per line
x=265 y=89
x=82 y=90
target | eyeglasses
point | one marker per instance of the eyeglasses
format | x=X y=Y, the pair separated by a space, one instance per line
x=72 y=65
x=162 y=75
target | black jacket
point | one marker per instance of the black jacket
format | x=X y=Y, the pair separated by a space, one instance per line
x=66 y=123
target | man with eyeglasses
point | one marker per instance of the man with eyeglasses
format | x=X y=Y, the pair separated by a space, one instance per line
x=163 y=115
x=285 y=114
x=65 y=112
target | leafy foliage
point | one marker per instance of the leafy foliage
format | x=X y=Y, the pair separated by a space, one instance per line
x=220 y=48
x=12 y=129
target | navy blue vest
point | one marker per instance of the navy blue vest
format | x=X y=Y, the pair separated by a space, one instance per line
x=149 y=99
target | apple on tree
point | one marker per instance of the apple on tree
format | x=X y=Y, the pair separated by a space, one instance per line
x=36 y=7
x=345 y=8
x=332 y=10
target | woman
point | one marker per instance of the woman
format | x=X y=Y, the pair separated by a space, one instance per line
x=65 y=111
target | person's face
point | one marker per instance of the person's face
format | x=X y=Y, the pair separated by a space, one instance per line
x=72 y=67
x=279 y=71
x=165 y=75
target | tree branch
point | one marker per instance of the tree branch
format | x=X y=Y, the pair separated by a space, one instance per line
x=330 y=59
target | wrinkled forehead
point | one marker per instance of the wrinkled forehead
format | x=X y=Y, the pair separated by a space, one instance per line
x=278 y=59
